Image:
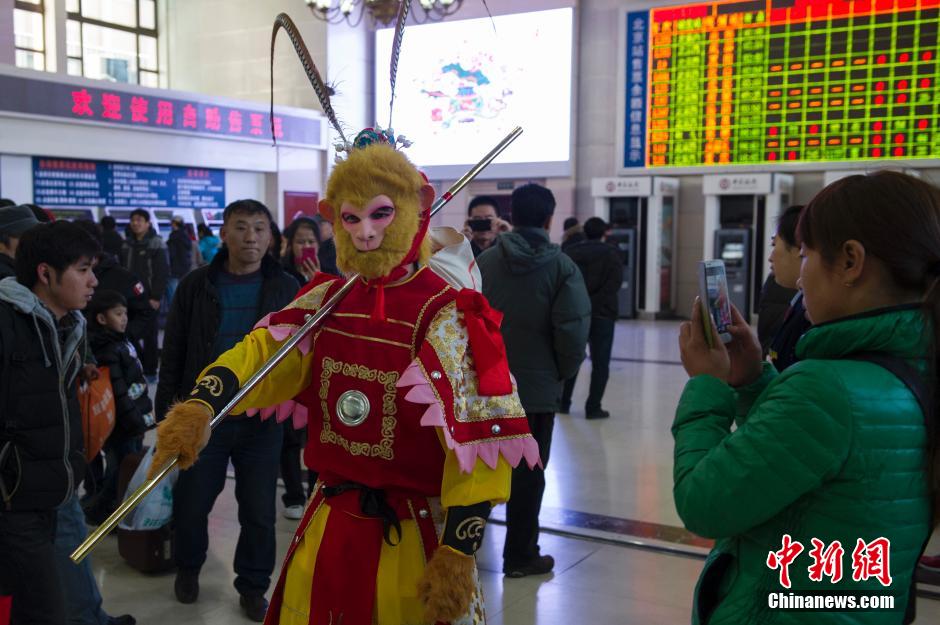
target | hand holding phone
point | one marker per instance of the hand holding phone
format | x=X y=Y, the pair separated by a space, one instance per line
x=715 y=299
x=308 y=263
x=308 y=253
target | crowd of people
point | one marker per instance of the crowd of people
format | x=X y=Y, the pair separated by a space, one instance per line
x=764 y=447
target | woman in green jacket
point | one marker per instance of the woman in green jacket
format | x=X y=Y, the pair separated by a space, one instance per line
x=830 y=458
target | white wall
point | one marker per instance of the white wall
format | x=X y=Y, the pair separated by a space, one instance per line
x=223 y=47
x=16 y=178
x=240 y=185
x=349 y=62
x=596 y=88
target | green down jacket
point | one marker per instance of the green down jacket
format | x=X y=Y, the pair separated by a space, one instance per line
x=832 y=448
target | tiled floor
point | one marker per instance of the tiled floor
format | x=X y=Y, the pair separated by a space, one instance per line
x=620 y=468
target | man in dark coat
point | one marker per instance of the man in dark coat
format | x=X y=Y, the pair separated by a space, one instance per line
x=111 y=239
x=602 y=269
x=180 y=249
x=546 y=312
x=113 y=277
x=146 y=258
x=214 y=308
x=42 y=456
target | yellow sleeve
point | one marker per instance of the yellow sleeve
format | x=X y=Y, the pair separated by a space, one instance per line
x=284 y=382
x=482 y=484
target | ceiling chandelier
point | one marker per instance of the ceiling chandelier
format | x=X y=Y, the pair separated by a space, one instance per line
x=381 y=11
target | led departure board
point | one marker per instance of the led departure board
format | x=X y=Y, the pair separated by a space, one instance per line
x=772 y=81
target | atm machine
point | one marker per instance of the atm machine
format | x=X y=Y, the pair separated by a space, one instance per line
x=642 y=211
x=166 y=215
x=741 y=212
x=212 y=217
x=74 y=214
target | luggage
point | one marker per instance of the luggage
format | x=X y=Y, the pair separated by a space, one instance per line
x=148 y=551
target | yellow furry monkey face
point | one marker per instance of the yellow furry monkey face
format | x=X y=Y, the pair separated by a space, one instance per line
x=374 y=200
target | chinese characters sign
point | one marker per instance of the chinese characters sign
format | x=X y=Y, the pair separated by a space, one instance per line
x=758 y=82
x=67 y=182
x=871 y=560
x=634 y=152
x=111 y=106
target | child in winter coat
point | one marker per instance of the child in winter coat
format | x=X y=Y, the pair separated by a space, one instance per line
x=107 y=320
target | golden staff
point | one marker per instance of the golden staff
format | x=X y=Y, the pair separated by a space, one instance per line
x=310 y=322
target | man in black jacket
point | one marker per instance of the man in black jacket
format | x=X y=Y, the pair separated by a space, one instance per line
x=146 y=258
x=602 y=268
x=113 y=277
x=214 y=308
x=14 y=221
x=180 y=248
x=545 y=325
x=41 y=447
x=111 y=239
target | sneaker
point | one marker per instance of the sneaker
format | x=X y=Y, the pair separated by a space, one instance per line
x=186 y=586
x=542 y=565
x=124 y=619
x=254 y=606
x=931 y=563
x=294 y=513
x=600 y=413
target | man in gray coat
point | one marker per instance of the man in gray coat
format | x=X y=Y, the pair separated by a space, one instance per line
x=547 y=315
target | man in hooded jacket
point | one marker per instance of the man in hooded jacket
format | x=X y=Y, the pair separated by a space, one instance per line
x=546 y=319
x=41 y=445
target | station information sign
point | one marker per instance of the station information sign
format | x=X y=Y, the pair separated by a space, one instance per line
x=771 y=81
x=61 y=182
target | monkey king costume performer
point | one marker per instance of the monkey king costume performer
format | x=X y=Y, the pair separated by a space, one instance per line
x=414 y=420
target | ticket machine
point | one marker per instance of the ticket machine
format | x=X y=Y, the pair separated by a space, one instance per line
x=641 y=211
x=741 y=212
x=74 y=214
x=212 y=217
x=166 y=215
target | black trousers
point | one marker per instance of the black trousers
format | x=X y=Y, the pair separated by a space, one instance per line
x=291 y=473
x=28 y=568
x=525 y=501
x=600 y=342
x=151 y=350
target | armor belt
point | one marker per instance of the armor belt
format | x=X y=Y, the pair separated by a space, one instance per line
x=373 y=504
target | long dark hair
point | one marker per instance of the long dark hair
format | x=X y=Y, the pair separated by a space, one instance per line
x=291 y=231
x=896 y=217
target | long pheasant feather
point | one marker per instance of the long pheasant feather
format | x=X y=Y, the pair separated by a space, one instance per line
x=396 y=52
x=284 y=21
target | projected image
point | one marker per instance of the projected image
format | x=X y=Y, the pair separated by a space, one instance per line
x=463 y=86
x=793 y=81
x=467 y=91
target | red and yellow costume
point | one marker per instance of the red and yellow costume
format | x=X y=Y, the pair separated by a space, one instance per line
x=412 y=415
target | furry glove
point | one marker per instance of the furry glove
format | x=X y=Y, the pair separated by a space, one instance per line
x=447 y=585
x=183 y=433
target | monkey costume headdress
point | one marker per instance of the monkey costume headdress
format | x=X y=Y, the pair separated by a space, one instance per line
x=414 y=421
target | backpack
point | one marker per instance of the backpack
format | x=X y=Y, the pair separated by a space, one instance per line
x=916 y=384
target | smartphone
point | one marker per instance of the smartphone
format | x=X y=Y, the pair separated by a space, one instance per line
x=715 y=298
x=480 y=225
x=308 y=253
